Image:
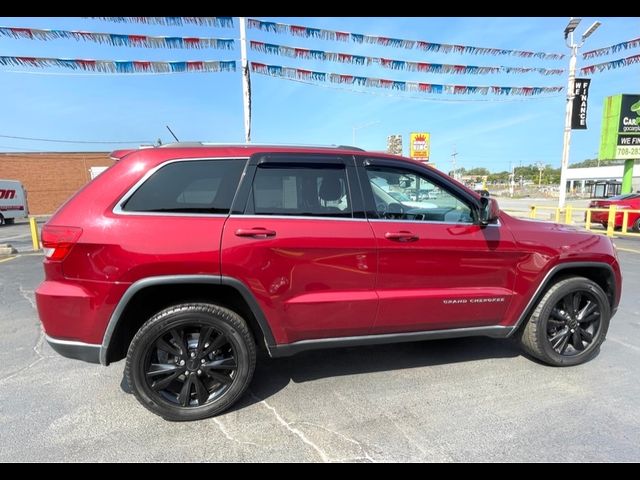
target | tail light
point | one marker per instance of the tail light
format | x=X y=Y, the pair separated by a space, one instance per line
x=58 y=241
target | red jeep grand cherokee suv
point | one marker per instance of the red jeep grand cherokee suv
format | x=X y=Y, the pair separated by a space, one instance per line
x=186 y=259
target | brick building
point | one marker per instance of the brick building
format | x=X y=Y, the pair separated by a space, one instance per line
x=51 y=177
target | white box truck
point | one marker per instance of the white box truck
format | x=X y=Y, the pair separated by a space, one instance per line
x=13 y=201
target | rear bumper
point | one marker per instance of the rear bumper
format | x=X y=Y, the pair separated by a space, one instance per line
x=78 y=350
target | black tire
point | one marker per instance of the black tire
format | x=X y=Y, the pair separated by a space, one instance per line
x=172 y=387
x=636 y=226
x=561 y=334
x=1 y=220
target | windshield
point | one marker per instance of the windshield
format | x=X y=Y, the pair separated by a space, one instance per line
x=401 y=197
x=382 y=196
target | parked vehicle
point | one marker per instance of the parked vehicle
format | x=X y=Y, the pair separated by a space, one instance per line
x=187 y=260
x=629 y=201
x=13 y=201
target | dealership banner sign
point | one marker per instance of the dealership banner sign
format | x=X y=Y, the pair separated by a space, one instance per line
x=419 y=146
x=579 y=111
x=620 y=137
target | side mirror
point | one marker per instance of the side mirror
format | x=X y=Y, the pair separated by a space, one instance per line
x=489 y=211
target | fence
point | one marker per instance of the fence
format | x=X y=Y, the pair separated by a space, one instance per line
x=567 y=215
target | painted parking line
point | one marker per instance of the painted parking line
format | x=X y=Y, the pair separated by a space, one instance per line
x=6 y=259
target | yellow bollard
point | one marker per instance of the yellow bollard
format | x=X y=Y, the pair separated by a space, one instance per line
x=34 y=234
x=611 y=221
x=625 y=221
x=532 y=213
x=568 y=214
x=587 y=223
x=557 y=215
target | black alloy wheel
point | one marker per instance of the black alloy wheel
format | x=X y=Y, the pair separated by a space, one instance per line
x=568 y=324
x=573 y=323
x=190 y=365
x=191 y=361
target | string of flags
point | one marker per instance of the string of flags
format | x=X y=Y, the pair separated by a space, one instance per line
x=403 y=86
x=176 y=21
x=612 y=48
x=119 y=40
x=117 y=66
x=600 y=67
x=309 y=32
x=304 y=53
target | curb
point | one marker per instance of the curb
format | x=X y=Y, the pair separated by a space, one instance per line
x=7 y=249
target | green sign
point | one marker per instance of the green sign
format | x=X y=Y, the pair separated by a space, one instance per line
x=620 y=137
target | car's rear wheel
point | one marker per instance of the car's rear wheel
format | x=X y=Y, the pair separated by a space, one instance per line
x=1 y=219
x=636 y=226
x=569 y=323
x=191 y=361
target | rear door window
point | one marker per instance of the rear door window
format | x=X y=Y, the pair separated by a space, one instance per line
x=301 y=190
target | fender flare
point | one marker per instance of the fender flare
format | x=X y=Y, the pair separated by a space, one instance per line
x=549 y=275
x=139 y=285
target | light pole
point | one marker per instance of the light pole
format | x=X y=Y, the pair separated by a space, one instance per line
x=568 y=37
x=360 y=127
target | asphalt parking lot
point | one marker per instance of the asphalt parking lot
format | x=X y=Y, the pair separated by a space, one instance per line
x=473 y=399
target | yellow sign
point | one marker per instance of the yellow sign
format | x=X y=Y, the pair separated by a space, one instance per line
x=419 y=146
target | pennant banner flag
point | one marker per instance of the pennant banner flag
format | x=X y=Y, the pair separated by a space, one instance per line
x=210 y=21
x=612 y=48
x=403 y=86
x=600 y=67
x=309 y=32
x=305 y=53
x=117 y=66
x=119 y=40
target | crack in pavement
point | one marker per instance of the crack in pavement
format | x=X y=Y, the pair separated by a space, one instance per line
x=229 y=437
x=365 y=456
x=26 y=294
x=323 y=456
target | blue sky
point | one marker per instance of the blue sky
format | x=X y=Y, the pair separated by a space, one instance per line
x=486 y=131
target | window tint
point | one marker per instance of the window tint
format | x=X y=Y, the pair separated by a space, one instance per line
x=404 y=195
x=301 y=190
x=199 y=186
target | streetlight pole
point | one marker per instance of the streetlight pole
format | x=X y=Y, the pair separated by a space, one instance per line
x=246 y=87
x=573 y=46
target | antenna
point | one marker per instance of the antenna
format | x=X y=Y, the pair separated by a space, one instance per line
x=172 y=134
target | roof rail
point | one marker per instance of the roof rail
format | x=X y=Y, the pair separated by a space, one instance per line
x=242 y=144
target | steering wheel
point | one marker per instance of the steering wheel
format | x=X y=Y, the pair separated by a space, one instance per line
x=381 y=208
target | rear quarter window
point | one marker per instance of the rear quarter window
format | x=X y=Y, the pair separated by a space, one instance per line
x=194 y=186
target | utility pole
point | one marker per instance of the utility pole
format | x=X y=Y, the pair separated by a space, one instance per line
x=541 y=167
x=246 y=87
x=512 y=179
x=453 y=161
x=568 y=37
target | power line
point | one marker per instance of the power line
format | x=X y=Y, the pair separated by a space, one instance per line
x=74 y=141
x=19 y=149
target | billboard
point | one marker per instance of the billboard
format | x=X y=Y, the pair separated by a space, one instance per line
x=620 y=137
x=419 y=146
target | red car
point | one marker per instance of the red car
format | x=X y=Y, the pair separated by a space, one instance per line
x=629 y=201
x=185 y=260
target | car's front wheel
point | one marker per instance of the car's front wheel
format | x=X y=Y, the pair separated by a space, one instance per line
x=636 y=226
x=191 y=361
x=569 y=323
